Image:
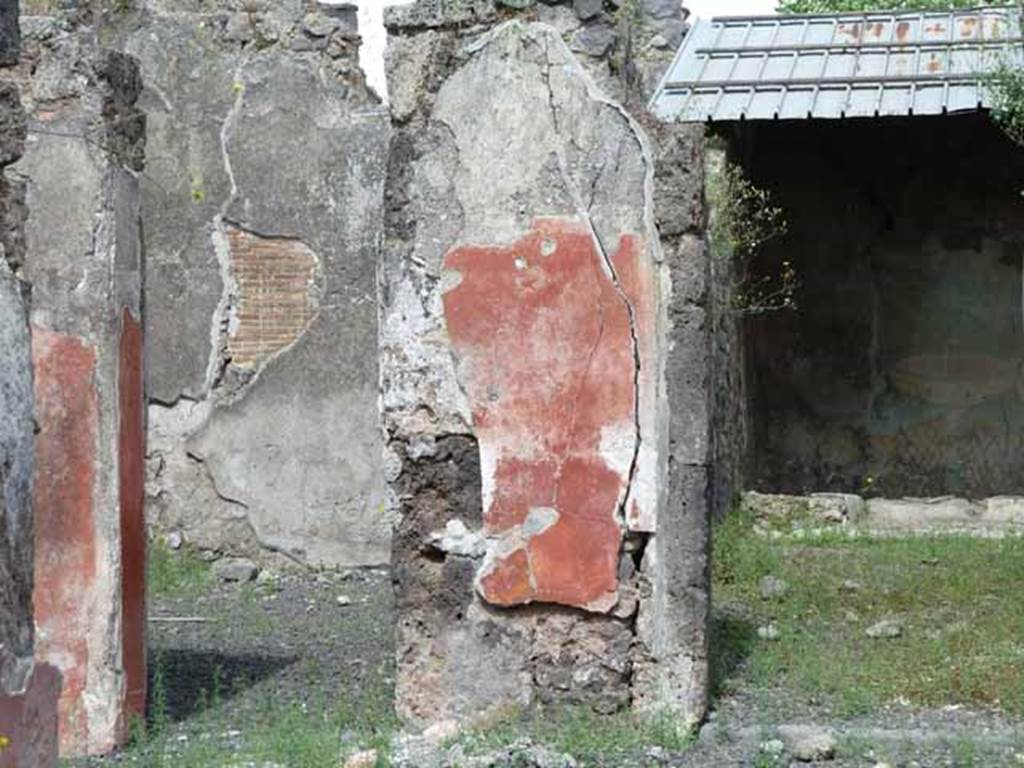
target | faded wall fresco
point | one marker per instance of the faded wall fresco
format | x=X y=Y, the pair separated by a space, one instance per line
x=901 y=370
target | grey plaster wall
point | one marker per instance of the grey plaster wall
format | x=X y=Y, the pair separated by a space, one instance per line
x=259 y=122
x=900 y=371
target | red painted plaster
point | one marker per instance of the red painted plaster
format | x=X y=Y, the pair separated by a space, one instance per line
x=65 y=553
x=28 y=721
x=131 y=458
x=545 y=352
x=638 y=279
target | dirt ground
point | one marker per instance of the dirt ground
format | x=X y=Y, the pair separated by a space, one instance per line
x=281 y=672
x=296 y=670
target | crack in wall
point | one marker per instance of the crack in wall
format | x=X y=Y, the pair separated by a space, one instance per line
x=226 y=321
x=261 y=540
x=653 y=236
x=221 y=326
x=583 y=211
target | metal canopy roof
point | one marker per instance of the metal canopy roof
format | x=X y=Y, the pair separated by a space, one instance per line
x=838 y=65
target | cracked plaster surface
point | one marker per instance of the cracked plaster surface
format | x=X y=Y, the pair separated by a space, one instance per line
x=261 y=366
x=546 y=350
x=553 y=333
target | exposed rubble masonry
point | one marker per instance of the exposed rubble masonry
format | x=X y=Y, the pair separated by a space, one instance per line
x=545 y=338
x=131 y=472
x=274 y=278
x=65 y=558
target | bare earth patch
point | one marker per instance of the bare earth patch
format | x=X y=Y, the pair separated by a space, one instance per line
x=296 y=669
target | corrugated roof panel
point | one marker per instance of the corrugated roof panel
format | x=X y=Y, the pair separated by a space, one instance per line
x=718 y=68
x=929 y=99
x=862 y=101
x=964 y=61
x=809 y=66
x=831 y=102
x=779 y=68
x=733 y=103
x=765 y=101
x=749 y=67
x=896 y=100
x=796 y=103
x=819 y=33
x=790 y=33
x=838 y=65
x=964 y=98
x=841 y=65
x=762 y=35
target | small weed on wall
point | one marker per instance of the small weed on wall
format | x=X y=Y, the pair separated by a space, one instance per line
x=743 y=218
x=1006 y=88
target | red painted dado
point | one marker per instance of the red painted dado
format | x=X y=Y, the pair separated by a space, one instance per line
x=131 y=468
x=65 y=553
x=546 y=355
x=638 y=279
x=28 y=722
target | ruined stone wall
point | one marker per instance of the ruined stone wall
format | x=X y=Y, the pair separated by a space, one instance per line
x=261 y=210
x=83 y=260
x=731 y=412
x=28 y=691
x=16 y=460
x=551 y=540
x=673 y=624
x=899 y=374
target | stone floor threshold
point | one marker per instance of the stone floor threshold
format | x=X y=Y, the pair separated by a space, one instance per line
x=819 y=513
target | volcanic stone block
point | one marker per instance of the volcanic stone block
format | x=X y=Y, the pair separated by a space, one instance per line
x=10 y=34
x=83 y=258
x=16 y=466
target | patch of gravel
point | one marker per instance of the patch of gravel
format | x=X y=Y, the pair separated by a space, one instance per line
x=747 y=727
x=307 y=638
x=286 y=637
x=288 y=633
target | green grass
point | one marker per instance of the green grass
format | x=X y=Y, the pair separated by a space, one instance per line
x=311 y=734
x=175 y=573
x=605 y=740
x=252 y=611
x=765 y=760
x=959 y=600
x=961 y=748
x=240 y=720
